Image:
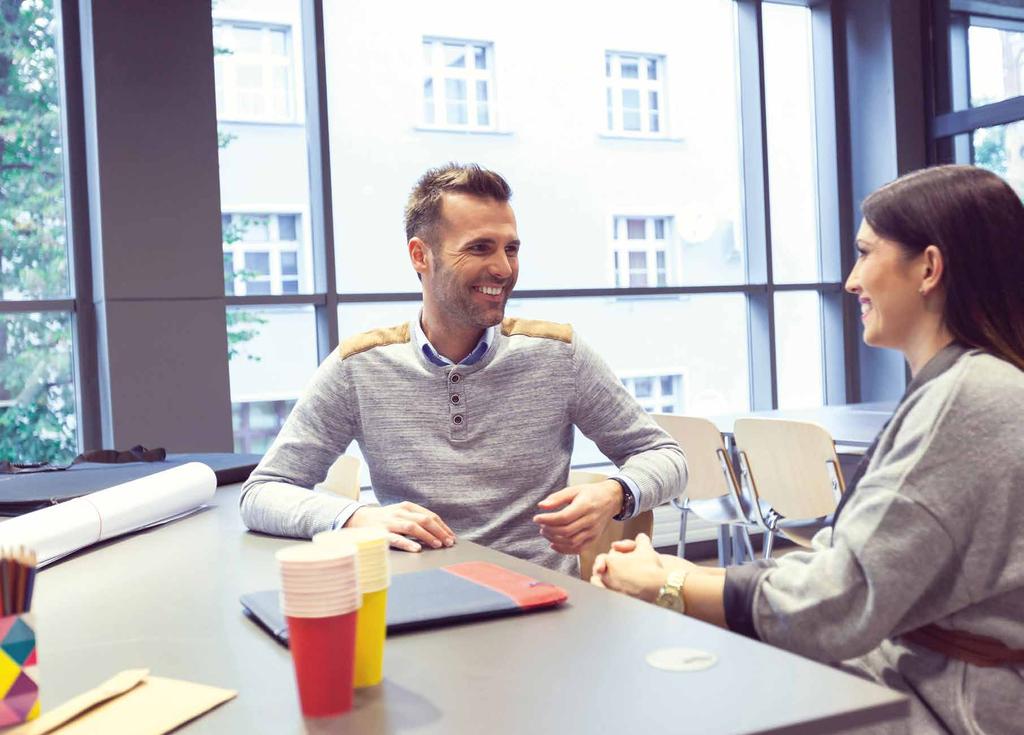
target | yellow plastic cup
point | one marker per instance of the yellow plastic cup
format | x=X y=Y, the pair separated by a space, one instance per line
x=371 y=627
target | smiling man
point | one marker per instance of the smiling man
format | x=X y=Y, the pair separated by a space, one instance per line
x=465 y=417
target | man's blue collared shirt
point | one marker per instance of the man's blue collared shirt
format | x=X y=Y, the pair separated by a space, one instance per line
x=441 y=361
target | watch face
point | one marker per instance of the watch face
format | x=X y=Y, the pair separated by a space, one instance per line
x=669 y=598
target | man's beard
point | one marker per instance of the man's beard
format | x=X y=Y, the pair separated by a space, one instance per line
x=456 y=301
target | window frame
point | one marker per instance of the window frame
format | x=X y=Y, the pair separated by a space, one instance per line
x=616 y=85
x=436 y=72
x=230 y=113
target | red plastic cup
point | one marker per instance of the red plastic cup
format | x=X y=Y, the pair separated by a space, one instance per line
x=323 y=651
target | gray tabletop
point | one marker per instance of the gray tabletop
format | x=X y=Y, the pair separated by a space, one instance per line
x=852 y=424
x=167 y=599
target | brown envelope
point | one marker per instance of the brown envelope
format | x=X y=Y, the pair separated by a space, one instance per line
x=130 y=703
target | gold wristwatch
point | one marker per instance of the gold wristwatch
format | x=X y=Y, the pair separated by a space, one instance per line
x=671 y=593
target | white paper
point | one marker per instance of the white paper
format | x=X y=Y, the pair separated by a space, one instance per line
x=65 y=528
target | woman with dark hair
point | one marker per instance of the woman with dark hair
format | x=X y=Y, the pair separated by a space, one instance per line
x=919 y=582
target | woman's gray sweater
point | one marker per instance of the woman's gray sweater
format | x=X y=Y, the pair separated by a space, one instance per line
x=931 y=535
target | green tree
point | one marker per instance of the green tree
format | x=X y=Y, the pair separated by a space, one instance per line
x=990 y=149
x=37 y=402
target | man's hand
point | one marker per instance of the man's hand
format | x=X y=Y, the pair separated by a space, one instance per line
x=585 y=510
x=405 y=519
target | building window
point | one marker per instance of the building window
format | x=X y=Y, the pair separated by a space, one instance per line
x=640 y=251
x=657 y=393
x=261 y=254
x=257 y=423
x=635 y=93
x=254 y=72
x=458 y=84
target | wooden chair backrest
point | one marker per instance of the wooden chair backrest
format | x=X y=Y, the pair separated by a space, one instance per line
x=700 y=440
x=343 y=477
x=788 y=464
x=614 y=531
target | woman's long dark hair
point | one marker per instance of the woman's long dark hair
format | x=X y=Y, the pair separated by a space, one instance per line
x=977 y=222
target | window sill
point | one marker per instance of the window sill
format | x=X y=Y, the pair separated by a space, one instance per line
x=640 y=138
x=460 y=131
x=267 y=123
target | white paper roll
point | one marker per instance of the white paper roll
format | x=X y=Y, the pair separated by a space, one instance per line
x=59 y=530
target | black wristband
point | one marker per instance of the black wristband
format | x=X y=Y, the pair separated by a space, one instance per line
x=628 y=501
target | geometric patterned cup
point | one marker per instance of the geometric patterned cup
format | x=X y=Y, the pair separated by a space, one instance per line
x=19 y=688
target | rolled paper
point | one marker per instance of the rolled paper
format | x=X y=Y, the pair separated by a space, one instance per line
x=62 y=529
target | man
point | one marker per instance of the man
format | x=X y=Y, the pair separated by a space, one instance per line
x=465 y=418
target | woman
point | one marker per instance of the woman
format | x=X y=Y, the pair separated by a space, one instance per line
x=919 y=583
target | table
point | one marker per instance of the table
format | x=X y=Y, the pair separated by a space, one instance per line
x=854 y=425
x=167 y=599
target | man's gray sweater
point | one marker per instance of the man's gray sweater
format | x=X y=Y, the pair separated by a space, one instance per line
x=480 y=445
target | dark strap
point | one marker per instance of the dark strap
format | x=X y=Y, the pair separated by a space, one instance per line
x=940 y=363
x=138 y=453
x=975 y=649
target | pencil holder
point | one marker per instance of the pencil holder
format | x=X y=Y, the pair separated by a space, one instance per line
x=19 y=690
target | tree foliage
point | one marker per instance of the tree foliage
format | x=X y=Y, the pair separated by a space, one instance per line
x=37 y=401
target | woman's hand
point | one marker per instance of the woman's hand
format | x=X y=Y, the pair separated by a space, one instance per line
x=634 y=568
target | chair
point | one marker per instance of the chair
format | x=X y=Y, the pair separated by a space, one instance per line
x=712 y=493
x=614 y=531
x=792 y=470
x=343 y=477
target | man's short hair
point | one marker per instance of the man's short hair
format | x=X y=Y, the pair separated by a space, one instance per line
x=423 y=210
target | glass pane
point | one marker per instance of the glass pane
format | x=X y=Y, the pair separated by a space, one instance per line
x=630 y=68
x=272 y=354
x=260 y=144
x=659 y=228
x=696 y=180
x=33 y=244
x=996 y=62
x=289 y=264
x=278 y=42
x=481 y=91
x=286 y=227
x=481 y=56
x=667 y=386
x=643 y=387
x=454 y=56
x=248 y=40
x=38 y=422
x=652 y=69
x=428 y=101
x=715 y=377
x=257 y=264
x=229 y=274
x=428 y=53
x=635 y=229
x=798 y=349
x=1001 y=150
x=791 y=143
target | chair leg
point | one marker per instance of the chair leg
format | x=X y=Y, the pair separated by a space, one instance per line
x=681 y=548
x=769 y=541
x=746 y=542
x=724 y=546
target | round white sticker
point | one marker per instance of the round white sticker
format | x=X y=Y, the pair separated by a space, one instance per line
x=681 y=659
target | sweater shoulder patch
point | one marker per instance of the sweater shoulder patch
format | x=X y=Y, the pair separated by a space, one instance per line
x=374 y=338
x=536 y=328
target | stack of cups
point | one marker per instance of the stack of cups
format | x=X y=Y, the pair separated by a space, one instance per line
x=320 y=600
x=374 y=580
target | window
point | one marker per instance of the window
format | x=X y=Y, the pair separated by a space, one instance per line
x=657 y=393
x=39 y=420
x=789 y=107
x=996 y=59
x=272 y=352
x=257 y=423
x=458 y=84
x=641 y=251
x=635 y=93
x=1000 y=149
x=261 y=254
x=253 y=68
